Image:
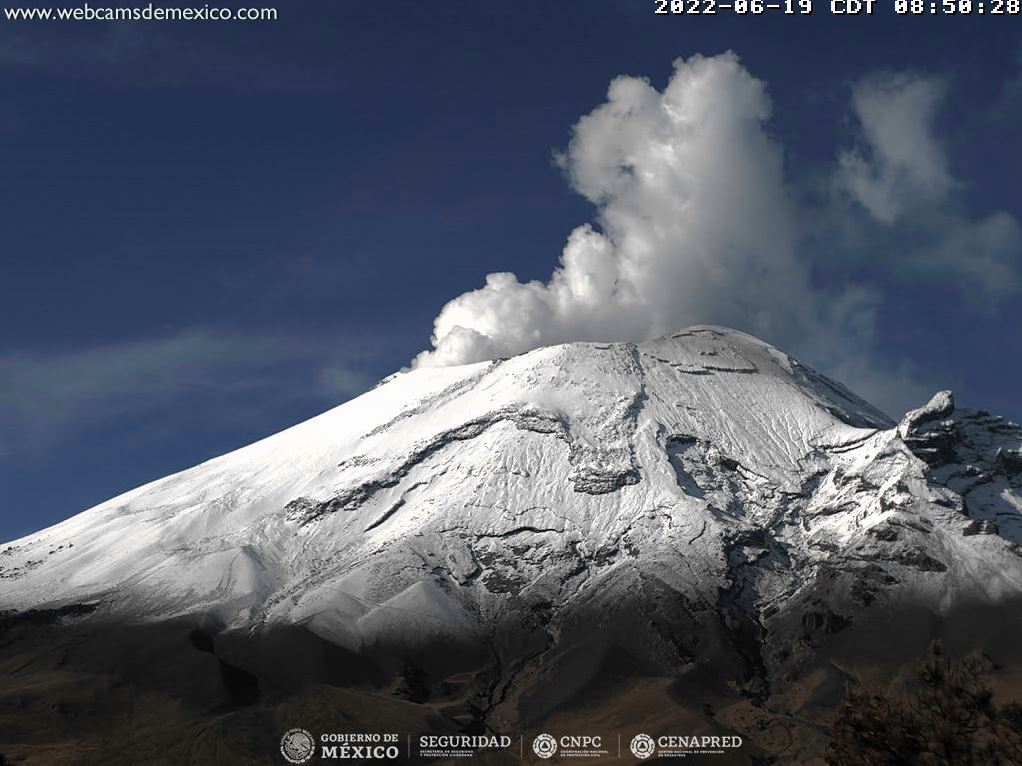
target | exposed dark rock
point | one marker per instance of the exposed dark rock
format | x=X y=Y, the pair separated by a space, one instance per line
x=746 y=550
x=869 y=582
x=936 y=447
x=940 y=406
x=984 y=527
x=502 y=582
x=918 y=559
x=1009 y=461
x=10 y=619
x=887 y=533
x=595 y=483
x=819 y=621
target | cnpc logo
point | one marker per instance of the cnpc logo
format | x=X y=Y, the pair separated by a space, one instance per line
x=547 y=746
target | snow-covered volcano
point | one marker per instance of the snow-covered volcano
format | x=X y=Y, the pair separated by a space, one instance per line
x=698 y=500
x=395 y=496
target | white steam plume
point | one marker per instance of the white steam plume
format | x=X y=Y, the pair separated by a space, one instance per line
x=694 y=226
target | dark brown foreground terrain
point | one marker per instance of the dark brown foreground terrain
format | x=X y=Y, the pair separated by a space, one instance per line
x=76 y=688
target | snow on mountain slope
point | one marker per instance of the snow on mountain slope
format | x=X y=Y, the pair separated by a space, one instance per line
x=447 y=502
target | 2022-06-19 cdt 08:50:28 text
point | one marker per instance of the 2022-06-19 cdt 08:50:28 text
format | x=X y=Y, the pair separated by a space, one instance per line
x=838 y=7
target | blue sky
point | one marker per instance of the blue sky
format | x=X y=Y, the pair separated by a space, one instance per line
x=210 y=232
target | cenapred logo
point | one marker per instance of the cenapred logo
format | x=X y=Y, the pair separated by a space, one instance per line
x=642 y=746
x=297 y=746
x=545 y=746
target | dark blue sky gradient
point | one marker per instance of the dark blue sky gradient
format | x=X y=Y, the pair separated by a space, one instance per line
x=312 y=191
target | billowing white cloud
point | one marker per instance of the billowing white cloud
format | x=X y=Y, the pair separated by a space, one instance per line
x=695 y=225
x=901 y=164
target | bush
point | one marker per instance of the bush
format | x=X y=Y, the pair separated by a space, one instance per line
x=946 y=718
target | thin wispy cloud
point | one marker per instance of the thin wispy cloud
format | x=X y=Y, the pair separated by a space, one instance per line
x=47 y=398
x=162 y=56
x=899 y=164
x=900 y=174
